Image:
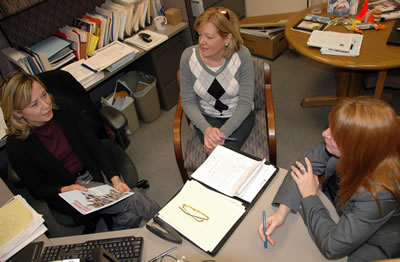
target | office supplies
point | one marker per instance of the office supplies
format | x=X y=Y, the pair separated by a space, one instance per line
x=163 y=230
x=162 y=254
x=123 y=248
x=145 y=37
x=139 y=42
x=230 y=138
x=354 y=48
x=265 y=229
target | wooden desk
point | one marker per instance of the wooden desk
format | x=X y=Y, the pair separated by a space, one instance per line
x=374 y=55
x=293 y=242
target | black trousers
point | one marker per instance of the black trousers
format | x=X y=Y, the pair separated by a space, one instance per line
x=242 y=132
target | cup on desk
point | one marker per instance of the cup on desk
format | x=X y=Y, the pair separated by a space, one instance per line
x=161 y=22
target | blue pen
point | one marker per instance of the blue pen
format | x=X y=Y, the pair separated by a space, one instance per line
x=88 y=67
x=230 y=138
x=265 y=229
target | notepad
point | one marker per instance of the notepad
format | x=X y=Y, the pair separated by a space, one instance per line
x=331 y=40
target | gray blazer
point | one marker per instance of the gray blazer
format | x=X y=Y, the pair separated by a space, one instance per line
x=363 y=233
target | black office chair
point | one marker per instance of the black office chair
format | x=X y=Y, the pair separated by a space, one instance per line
x=67 y=92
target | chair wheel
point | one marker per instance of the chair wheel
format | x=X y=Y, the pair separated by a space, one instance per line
x=143 y=184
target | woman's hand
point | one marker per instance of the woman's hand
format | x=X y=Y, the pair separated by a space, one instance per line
x=119 y=185
x=212 y=138
x=306 y=181
x=72 y=188
x=274 y=221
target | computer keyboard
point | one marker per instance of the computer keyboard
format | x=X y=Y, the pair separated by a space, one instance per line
x=125 y=249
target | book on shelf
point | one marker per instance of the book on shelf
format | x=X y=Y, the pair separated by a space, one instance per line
x=95 y=198
x=216 y=199
x=312 y=22
x=21 y=224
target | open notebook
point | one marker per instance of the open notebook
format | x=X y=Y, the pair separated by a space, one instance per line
x=222 y=190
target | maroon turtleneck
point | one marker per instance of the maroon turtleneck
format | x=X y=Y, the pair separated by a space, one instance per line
x=55 y=141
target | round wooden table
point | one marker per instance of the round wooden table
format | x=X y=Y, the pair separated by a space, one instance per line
x=374 y=55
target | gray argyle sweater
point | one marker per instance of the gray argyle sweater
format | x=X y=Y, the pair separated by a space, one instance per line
x=226 y=93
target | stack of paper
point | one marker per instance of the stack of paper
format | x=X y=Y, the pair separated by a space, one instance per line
x=58 y=51
x=156 y=39
x=82 y=74
x=334 y=43
x=266 y=32
x=20 y=225
x=115 y=52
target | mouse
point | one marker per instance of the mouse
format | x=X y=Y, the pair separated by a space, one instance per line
x=145 y=37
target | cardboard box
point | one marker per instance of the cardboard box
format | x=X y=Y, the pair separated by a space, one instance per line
x=174 y=16
x=264 y=47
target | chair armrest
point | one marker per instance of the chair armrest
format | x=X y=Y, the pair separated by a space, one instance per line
x=113 y=117
x=177 y=136
x=270 y=115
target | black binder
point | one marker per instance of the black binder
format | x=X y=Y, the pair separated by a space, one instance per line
x=247 y=206
x=394 y=37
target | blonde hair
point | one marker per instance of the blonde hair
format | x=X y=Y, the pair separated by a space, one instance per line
x=366 y=132
x=16 y=94
x=226 y=22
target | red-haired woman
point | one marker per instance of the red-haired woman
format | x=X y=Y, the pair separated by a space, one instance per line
x=360 y=157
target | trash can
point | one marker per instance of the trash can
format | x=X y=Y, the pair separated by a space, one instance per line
x=127 y=107
x=144 y=90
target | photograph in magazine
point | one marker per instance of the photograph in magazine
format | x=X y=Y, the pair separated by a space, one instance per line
x=94 y=199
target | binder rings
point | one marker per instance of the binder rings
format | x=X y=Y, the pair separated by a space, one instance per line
x=204 y=215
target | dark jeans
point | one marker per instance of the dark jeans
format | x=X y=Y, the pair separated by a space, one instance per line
x=242 y=132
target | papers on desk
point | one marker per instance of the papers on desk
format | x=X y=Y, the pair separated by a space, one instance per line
x=238 y=177
x=223 y=213
x=333 y=43
x=110 y=54
x=156 y=39
x=20 y=225
x=82 y=74
x=234 y=174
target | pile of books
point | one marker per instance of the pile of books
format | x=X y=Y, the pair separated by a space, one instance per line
x=333 y=43
x=108 y=23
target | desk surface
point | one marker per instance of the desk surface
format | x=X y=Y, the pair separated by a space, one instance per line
x=374 y=55
x=293 y=242
x=170 y=31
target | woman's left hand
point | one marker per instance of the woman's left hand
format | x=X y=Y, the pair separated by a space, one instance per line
x=306 y=181
x=119 y=185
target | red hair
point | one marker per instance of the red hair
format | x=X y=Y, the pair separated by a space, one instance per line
x=366 y=132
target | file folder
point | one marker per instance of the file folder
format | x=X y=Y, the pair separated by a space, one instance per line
x=220 y=214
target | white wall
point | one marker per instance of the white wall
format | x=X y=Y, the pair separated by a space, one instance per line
x=269 y=7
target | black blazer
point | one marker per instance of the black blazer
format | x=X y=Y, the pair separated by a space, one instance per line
x=43 y=174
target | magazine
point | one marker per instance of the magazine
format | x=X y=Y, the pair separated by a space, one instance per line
x=385 y=5
x=94 y=199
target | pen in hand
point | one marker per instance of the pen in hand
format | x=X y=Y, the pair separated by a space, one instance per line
x=265 y=229
x=229 y=138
